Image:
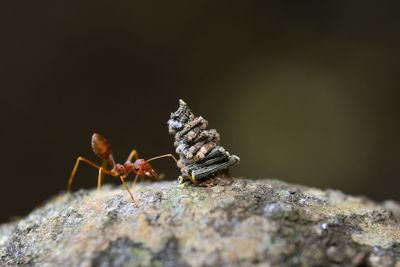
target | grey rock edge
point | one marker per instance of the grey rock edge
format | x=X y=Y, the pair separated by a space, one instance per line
x=246 y=223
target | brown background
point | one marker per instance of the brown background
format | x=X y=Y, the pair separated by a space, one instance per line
x=305 y=92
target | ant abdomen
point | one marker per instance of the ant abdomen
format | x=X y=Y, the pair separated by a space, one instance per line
x=101 y=147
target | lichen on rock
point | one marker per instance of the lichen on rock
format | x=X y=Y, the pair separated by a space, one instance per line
x=246 y=223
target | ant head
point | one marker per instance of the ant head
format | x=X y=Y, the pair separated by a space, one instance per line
x=144 y=168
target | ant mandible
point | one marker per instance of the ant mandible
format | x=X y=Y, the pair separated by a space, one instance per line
x=102 y=149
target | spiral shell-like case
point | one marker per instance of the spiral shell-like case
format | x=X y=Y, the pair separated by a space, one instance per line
x=201 y=155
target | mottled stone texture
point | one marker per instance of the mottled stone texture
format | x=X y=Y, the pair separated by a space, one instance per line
x=245 y=223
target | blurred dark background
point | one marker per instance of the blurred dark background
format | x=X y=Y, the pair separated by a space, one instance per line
x=306 y=92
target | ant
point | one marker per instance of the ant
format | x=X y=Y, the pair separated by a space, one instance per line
x=102 y=149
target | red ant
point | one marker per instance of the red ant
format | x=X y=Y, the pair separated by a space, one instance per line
x=102 y=149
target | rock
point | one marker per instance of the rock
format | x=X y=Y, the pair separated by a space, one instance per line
x=245 y=223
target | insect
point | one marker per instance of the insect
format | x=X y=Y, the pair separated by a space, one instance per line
x=201 y=155
x=133 y=164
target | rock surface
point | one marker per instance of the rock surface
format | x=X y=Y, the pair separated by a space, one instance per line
x=246 y=223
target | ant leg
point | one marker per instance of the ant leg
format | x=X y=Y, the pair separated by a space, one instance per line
x=100 y=177
x=127 y=189
x=101 y=173
x=104 y=163
x=133 y=155
x=71 y=178
x=163 y=156
x=134 y=184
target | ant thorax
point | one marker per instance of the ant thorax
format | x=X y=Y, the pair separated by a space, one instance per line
x=143 y=168
x=124 y=169
x=140 y=166
x=118 y=169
